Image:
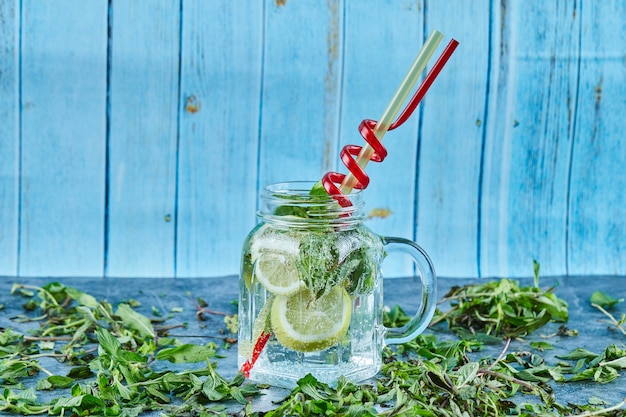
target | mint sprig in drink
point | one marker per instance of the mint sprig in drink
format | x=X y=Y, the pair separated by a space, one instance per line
x=311 y=289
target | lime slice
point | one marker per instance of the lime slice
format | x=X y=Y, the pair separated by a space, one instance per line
x=306 y=325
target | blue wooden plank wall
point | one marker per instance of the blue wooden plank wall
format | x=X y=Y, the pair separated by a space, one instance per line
x=134 y=136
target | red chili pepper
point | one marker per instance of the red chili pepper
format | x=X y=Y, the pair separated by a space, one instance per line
x=256 y=351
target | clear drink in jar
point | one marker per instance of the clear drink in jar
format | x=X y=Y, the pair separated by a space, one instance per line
x=317 y=294
x=310 y=299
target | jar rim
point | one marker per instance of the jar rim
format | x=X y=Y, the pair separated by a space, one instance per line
x=299 y=186
x=292 y=203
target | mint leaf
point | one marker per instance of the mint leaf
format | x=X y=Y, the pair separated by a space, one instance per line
x=619 y=363
x=317 y=261
x=186 y=353
x=395 y=317
x=108 y=342
x=578 y=353
x=467 y=373
x=78 y=404
x=80 y=372
x=501 y=308
x=541 y=346
x=135 y=320
x=291 y=211
x=312 y=387
x=81 y=297
x=318 y=190
x=55 y=381
x=604 y=300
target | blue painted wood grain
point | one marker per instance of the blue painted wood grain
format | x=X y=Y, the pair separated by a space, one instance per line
x=369 y=48
x=219 y=125
x=597 y=211
x=301 y=90
x=451 y=139
x=9 y=135
x=134 y=137
x=63 y=123
x=527 y=152
x=142 y=144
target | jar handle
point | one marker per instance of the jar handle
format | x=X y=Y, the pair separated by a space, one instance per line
x=426 y=310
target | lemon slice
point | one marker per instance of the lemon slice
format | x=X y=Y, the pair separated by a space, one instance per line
x=274 y=256
x=268 y=240
x=307 y=325
x=278 y=273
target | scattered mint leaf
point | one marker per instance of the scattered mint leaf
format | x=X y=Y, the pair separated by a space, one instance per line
x=202 y=303
x=593 y=400
x=541 y=346
x=78 y=404
x=426 y=376
x=500 y=308
x=536 y=269
x=9 y=336
x=108 y=343
x=80 y=372
x=578 y=353
x=22 y=402
x=46 y=345
x=466 y=374
x=25 y=293
x=479 y=336
x=135 y=320
x=604 y=300
x=134 y=303
x=57 y=381
x=395 y=317
x=186 y=353
x=82 y=298
x=43 y=385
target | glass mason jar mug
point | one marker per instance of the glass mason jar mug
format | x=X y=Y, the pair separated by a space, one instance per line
x=311 y=289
